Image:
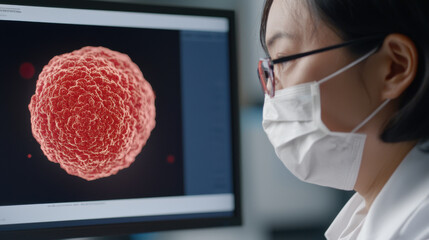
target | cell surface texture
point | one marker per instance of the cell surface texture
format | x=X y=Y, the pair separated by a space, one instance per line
x=92 y=112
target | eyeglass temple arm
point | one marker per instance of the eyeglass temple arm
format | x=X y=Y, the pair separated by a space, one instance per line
x=348 y=43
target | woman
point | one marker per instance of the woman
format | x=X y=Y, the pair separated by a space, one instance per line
x=346 y=85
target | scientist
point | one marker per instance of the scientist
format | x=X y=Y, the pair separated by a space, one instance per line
x=347 y=106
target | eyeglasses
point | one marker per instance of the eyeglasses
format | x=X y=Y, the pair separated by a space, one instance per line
x=266 y=65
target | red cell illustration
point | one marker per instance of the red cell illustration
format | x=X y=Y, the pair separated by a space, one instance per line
x=93 y=111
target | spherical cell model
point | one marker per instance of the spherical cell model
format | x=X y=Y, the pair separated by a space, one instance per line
x=92 y=112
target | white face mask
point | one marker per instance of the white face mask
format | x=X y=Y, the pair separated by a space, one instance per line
x=292 y=120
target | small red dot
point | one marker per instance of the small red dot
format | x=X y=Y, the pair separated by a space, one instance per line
x=26 y=70
x=29 y=156
x=171 y=159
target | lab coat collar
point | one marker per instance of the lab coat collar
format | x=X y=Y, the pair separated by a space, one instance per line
x=401 y=195
x=404 y=191
x=349 y=221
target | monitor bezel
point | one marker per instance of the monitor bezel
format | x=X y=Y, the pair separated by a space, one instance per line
x=161 y=225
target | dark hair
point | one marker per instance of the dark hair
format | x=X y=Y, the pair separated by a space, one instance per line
x=352 y=19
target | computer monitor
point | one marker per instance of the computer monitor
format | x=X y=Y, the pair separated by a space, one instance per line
x=116 y=118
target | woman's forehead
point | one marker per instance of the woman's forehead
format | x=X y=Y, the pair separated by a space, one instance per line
x=292 y=14
x=287 y=18
x=293 y=18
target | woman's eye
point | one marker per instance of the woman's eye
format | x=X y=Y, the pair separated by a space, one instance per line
x=284 y=65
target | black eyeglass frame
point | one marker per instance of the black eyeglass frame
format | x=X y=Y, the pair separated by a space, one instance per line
x=268 y=73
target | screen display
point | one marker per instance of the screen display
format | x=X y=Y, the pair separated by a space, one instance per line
x=111 y=117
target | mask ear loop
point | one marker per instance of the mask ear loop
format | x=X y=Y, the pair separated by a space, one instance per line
x=370 y=116
x=352 y=64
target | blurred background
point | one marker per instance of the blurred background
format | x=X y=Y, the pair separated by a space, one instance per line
x=275 y=204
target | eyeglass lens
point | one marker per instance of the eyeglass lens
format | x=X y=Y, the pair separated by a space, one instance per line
x=266 y=76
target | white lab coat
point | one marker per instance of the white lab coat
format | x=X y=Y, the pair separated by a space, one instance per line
x=400 y=211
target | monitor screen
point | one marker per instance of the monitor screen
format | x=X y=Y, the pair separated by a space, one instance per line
x=116 y=118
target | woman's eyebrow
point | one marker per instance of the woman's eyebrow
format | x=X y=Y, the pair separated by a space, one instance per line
x=277 y=36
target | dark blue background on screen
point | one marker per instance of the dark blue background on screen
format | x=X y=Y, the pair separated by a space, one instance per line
x=206 y=114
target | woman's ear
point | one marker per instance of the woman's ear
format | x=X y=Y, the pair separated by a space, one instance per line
x=401 y=58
